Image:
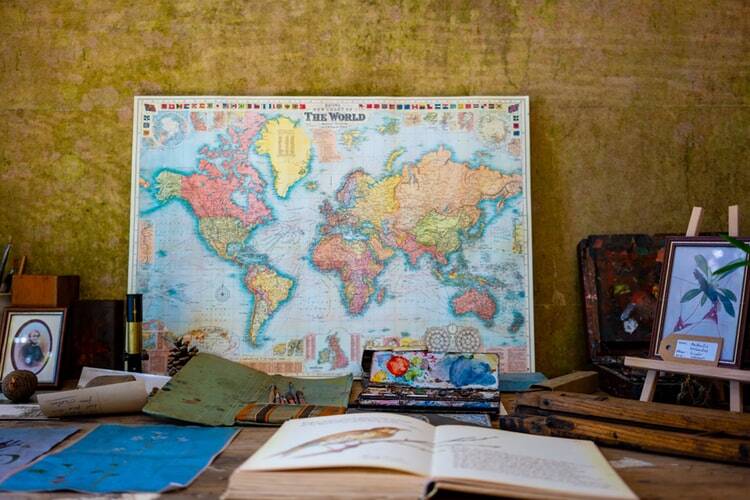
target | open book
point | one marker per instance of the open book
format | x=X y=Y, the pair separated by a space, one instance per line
x=389 y=455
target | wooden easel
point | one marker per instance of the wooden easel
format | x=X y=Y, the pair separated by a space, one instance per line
x=735 y=376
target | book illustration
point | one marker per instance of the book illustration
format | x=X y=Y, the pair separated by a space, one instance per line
x=341 y=441
x=435 y=369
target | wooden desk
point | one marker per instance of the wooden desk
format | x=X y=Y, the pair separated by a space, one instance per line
x=649 y=475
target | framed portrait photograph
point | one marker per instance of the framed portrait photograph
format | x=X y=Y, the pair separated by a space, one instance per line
x=695 y=299
x=32 y=340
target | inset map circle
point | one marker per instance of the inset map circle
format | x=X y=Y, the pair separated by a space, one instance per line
x=437 y=339
x=468 y=340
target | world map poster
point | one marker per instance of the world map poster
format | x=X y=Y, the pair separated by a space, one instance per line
x=289 y=233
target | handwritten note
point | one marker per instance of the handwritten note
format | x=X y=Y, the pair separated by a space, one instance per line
x=696 y=350
x=127 y=397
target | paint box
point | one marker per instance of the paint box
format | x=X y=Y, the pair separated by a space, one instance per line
x=436 y=370
x=417 y=380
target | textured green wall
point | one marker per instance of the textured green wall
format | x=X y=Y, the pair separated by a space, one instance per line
x=639 y=110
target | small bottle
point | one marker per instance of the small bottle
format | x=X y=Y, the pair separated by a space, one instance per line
x=134 y=332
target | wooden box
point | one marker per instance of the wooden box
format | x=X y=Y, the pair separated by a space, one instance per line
x=95 y=336
x=30 y=290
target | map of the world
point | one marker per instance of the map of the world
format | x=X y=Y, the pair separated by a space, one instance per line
x=291 y=233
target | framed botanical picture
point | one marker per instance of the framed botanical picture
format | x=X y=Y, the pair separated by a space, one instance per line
x=697 y=300
x=32 y=340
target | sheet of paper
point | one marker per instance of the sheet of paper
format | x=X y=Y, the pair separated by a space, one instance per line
x=126 y=458
x=19 y=446
x=546 y=463
x=354 y=440
x=21 y=412
x=152 y=381
x=128 y=397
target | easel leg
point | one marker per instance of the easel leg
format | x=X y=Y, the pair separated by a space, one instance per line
x=735 y=396
x=649 y=386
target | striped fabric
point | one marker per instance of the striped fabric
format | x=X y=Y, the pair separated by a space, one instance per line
x=277 y=414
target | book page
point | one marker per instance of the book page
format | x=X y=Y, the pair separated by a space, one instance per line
x=566 y=466
x=357 y=440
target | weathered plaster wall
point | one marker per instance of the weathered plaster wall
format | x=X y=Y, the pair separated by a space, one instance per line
x=639 y=110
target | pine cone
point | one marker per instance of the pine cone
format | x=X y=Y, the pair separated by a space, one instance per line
x=179 y=355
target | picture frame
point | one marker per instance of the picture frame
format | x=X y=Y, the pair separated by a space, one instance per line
x=32 y=339
x=693 y=300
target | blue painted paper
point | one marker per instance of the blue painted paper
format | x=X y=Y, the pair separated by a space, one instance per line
x=20 y=445
x=121 y=458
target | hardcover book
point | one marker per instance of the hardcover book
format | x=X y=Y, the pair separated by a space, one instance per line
x=356 y=455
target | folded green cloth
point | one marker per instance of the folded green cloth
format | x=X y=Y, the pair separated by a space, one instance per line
x=210 y=390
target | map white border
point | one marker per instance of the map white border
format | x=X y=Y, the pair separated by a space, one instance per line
x=524 y=100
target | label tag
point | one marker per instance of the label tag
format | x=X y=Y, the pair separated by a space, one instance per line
x=692 y=349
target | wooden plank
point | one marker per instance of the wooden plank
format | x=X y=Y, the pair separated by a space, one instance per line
x=695 y=222
x=580 y=381
x=701 y=371
x=667 y=477
x=610 y=434
x=626 y=411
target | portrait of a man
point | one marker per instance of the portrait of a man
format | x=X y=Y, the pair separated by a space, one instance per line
x=31 y=347
x=31 y=352
x=32 y=340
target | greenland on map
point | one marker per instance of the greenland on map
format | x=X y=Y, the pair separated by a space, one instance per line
x=290 y=233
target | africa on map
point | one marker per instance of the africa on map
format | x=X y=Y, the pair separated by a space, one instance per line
x=289 y=233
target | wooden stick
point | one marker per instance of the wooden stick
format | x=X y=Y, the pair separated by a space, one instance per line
x=699 y=370
x=735 y=396
x=695 y=222
x=639 y=438
x=627 y=411
x=649 y=386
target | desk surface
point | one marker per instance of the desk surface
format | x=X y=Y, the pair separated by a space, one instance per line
x=648 y=475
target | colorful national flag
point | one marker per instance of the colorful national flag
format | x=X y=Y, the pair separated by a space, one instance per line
x=513 y=108
x=150 y=107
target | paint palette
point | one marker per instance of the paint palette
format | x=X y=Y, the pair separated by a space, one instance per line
x=436 y=370
x=419 y=380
